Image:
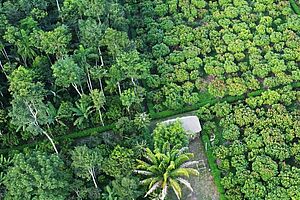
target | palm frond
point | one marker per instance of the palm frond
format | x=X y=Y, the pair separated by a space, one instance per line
x=181 y=159
x=182 y=150
x=150 y=156
x=165 y=180
x=153 y=188
x=166 y=148
x=142 y=164
x=143 y=172
x=154 y=180
x=190 y=163
x=171 y=166
x=180 y=172
x=164 y=192
x=153 y=169
x=176 y=187
x=192 y=171
x=186 y=183
x=147 y=181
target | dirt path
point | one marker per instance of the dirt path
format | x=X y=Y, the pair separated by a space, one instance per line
x=203 y=185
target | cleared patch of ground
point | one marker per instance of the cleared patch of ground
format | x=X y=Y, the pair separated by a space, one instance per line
x=203 y=185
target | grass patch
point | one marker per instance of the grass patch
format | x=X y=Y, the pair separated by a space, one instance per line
x=295 y=7
x=216 y=173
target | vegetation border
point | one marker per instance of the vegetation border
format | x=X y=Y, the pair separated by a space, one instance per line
x=75 y=135
x=295 y=7
x=153 y=115
x=216 y=173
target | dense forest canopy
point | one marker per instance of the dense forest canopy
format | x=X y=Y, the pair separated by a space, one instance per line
x=97 y=70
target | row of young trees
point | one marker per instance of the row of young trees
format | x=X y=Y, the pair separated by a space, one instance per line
x=224 y=47
x=256 y=145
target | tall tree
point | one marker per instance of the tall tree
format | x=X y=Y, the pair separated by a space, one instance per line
x=67 y=73
x=166 y=168
x=115 y=41
x=29 y=112
x=86 y=161
x=129 y=97
x=132 y=66
x=53 y=42
x=91 y=35
x=21 y=38
x=115 y=77
x=99 y=101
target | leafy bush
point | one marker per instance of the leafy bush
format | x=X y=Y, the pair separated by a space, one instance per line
x=173 y=133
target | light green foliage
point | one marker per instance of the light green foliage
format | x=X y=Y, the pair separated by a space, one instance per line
x=22 y=83
x=91 y=32
x=231 y=133
x=20 y=37
x=82 y=111
x=37 y=176
x=5 y=162
x=98 y=99
x=120 y=162
x=173 y=133
x=115 y=41
x=132 y=66
x=257 y=147
x=129 y=98
x=266 y=167
x=124 y=58
x=141 y=120
x=160 y=50
x=217 y=88
x=222 y=109
x=29 y=112
x=53 y=42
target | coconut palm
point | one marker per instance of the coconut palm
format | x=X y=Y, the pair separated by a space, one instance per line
x=166 y=168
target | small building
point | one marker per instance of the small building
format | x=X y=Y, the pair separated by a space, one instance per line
x=190 y=123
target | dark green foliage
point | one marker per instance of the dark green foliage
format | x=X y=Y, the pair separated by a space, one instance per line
x=69 y=65
x=37 y=176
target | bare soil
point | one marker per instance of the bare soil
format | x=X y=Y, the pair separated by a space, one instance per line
x=203 y=185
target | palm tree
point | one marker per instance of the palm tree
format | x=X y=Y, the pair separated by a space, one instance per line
x=166 y=168
x=82 y=111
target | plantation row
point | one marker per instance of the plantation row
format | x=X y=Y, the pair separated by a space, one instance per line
x=255 y=144
x=81 y=80
x=223 y=47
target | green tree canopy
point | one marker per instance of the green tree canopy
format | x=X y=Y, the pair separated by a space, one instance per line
x=37 y=175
